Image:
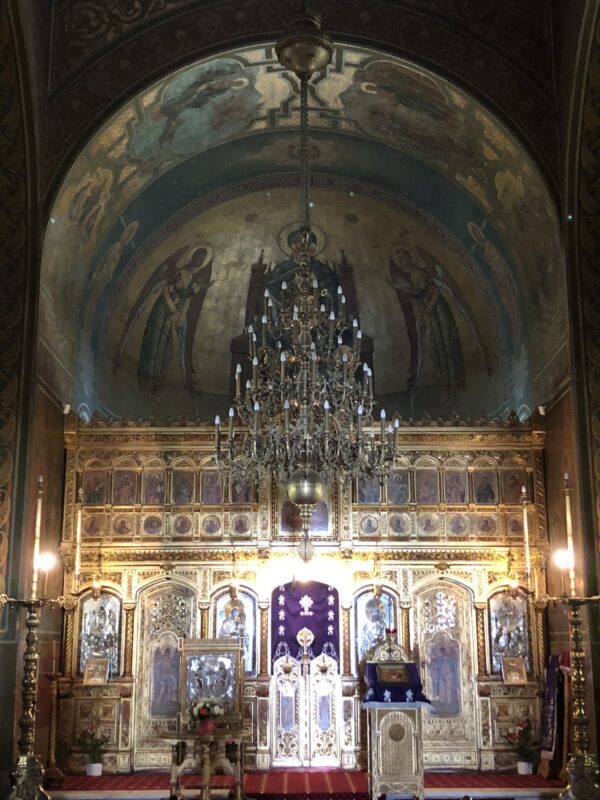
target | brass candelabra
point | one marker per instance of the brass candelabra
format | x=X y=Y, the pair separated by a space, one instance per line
x=28 y=772
x=582 y=766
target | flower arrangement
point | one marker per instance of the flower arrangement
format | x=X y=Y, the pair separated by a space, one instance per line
x=521 y=741
x=92 y=742
x=205 y=709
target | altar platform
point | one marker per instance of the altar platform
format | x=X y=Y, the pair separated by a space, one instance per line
x=313 y=784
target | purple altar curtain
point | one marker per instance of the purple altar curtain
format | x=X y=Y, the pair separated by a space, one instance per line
x=311 y=605
x=549 y=717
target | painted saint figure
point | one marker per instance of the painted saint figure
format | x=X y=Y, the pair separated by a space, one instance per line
x=484 y=492
x=373 y=631
x=424 y=289
x=444 y=677
x=176 y=291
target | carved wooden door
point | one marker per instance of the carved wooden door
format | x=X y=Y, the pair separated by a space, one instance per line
x=306 y=713
x=167 y=612
x=444 y=629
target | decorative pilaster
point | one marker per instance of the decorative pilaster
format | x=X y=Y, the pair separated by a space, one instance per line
x=204 y=607
x=70 y=657
x=540 y=635
x=405 y=606
x=482 y=670
x=129 y=623
x=346 y=654
x=264 y=606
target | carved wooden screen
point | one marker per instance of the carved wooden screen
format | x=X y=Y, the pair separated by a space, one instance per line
x=287 y=703
x=324 y=713
x=306 y=713
x=444 y=624
x=167 y=612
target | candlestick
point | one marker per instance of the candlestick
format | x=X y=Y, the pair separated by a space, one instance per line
x=570 y=547
x=36 y=546
x=54 y=654
x=78 y=541
x=218 y=432
x=526 y=537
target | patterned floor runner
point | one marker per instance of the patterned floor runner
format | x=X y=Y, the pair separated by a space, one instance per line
x=307 y=784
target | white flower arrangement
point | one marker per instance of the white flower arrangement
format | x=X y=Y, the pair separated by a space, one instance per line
x=205 y=709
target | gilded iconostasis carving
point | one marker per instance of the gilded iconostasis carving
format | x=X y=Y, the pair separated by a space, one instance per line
x=442 y=579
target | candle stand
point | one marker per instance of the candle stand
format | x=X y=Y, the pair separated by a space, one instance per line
x=582 y=767
x=28 y=772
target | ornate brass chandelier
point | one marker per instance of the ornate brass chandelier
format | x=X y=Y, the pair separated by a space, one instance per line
x=308 y=405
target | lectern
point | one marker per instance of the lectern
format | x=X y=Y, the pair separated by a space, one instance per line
x=394 y=699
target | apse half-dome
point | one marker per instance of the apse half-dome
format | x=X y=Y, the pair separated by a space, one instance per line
x=178 y=213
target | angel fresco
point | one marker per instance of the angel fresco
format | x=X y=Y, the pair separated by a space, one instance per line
x=398 y=103
x=188 y=110
x=424 y=288
x=175 y=294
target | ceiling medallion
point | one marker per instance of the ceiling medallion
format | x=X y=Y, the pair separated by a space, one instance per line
x=304 y=401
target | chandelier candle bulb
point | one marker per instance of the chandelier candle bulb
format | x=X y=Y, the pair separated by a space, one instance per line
x=266 y=302
x=231 y=417
x=286 y=415
x=254 y=371
x=250 y=333
x=238 y=380
x=326 y=410
x=382 y=419
x=569 y=522
x=282 y=359
x=256 y=417
x=264 y=330
x=359 y=413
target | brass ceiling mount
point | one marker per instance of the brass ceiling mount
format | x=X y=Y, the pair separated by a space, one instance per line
x=304 y=48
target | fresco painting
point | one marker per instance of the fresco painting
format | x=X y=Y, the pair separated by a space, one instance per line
x=162 y=347
x=425 y=292
x=401 y=114
x=174 y=294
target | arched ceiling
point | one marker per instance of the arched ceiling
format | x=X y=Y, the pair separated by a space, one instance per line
x=423 y=201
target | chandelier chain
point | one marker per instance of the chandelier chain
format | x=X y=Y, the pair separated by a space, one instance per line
x=304 y=159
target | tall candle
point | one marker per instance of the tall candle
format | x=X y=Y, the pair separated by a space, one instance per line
x=78 y=542
x=526 y=537
x=570 y=547
x=36 y=546
x=54 y=654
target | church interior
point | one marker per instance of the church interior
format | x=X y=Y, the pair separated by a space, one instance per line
x=300 y=394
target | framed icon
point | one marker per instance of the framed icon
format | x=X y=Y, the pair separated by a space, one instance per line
x=96 y=671
x=212 y=669
x=514 y=672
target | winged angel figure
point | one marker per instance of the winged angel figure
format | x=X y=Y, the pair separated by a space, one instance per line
x=175 y=293
x=424 y=289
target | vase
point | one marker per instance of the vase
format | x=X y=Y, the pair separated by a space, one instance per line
x=206 y=725
x=94 y=769
x=524 y=768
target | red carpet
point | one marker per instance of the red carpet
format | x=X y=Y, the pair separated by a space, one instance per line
x=314 y=784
